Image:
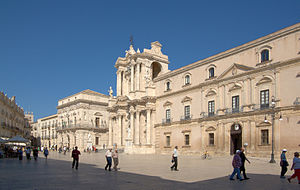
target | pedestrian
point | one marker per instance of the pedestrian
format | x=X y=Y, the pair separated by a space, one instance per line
x=236 y=163
x=20 y=154
x=108 y=156
x=242 y=168
x=295 y=167
x=116 y=159
x=35 y=153
x=75 y=156
x=283 y=163
x=28 y=152
x=175 y=159
x=65 y=150
x=46 y=152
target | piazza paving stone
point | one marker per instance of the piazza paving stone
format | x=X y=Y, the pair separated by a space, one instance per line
x=137 y=172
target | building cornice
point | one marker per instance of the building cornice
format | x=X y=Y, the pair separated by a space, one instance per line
x=222 y=55
x=81 y=101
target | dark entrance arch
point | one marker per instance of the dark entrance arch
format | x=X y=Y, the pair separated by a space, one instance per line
x=236 y=138
x=156 y=68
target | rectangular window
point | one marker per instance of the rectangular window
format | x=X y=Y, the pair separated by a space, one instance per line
x=211 y=108
x=235 y=103
x=187 y=112
x=97 y=141
x=264 y=99
x=168 y=115
x=186 y=139
x=265 y=137
x=211 y=139
x=168 y=141
x=97 y=121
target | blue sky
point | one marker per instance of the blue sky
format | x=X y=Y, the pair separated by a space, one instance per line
x=53 y=49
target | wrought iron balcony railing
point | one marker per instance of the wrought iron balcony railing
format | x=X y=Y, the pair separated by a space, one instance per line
x=165 y=121
x=186 y=117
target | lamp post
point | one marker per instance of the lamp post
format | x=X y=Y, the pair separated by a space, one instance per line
x=273 y=120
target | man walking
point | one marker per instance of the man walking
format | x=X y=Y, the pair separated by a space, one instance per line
x=28 y=152
x=116 y=159
x=75 y=156
x=242 y=168
x=175 y=159
x=108 y=156
x=283 y=163
x=236 y=163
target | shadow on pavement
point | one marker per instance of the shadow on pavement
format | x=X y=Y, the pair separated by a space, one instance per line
x=57 y=174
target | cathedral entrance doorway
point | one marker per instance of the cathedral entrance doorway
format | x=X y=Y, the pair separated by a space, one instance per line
x=236 y=138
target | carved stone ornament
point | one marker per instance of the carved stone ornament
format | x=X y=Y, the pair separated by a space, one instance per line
x=210 y=129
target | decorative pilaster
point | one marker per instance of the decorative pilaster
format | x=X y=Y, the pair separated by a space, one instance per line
x=148 y=131
x=138 y=76
x=110 y=140
x=132 y=78
x=137 y=128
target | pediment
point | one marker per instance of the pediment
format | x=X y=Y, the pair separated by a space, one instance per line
x=211 y=92
x=210 y=129
x=264 y=80
x=264 y=124
x=235 y=87
x=98 y=114
x=235 y=69
x=167 y=103
x=186 y=99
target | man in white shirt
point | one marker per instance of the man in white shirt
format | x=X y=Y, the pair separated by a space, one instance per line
x=108 y=156
x=174 y=159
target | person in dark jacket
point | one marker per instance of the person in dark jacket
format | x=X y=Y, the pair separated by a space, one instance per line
x=242 y=168
x=236 y=164
x=75 y=156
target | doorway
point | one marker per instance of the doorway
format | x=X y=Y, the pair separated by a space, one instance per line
x=236 y=138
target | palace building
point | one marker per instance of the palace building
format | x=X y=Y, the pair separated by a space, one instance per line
x=246 y=96
x=81 y=120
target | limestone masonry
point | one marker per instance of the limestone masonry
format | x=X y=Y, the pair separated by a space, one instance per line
x=217 y=104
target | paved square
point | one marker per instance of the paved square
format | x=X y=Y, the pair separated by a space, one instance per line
x=137 y=172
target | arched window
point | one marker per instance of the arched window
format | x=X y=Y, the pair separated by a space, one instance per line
x=168 y=86
x=187 y=79
x=211 y=73
x=264 y=55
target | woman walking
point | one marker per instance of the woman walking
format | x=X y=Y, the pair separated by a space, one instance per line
x=296 y=167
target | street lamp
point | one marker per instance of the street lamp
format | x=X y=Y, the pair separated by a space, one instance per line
x=273 y=104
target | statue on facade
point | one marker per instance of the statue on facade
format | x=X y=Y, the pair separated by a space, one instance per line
x=148 y=77
x=128 y=132
x=110 y=91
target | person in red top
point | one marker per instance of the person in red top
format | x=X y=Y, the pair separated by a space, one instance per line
x=75 y=156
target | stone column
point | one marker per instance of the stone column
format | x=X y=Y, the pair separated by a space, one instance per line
x=138 y=77
x=119 y=140
x=137 y=128
x=110 y=132
x=118 y=83
x=132 y=124
x=132 y=78
x=148 y=131
x=123 y=130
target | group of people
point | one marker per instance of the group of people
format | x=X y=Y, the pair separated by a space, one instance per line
x=295 y=166
x=111 y=156
x=238 y=164
x=239 y=159
x=35 y=153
